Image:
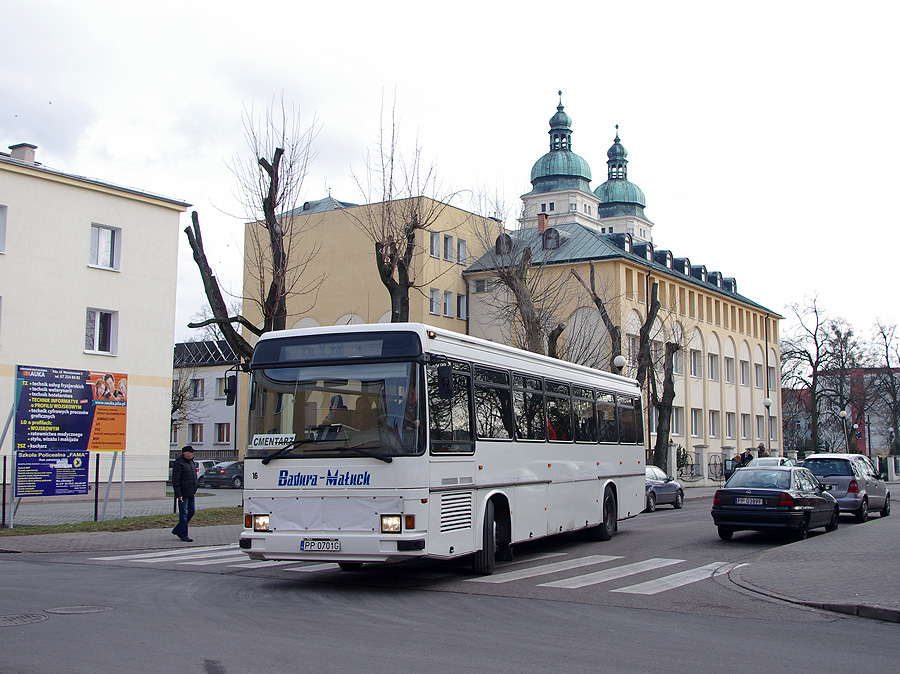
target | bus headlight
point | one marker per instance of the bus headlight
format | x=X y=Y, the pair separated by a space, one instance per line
x=260 y=523
x=390 y=524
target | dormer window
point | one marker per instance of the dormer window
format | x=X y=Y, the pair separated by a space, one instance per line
x=670 y=262
x=650 y=252
x=551 y=239
x=629 y=244
x=503 y=246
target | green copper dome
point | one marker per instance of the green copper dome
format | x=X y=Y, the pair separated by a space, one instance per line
x=618 y=195
x=560 y=168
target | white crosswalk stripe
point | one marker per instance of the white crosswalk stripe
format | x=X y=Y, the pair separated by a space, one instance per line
x=612 y=574
x=673 y=581
x=164 y=553
x=312 y=568
x=544 y=569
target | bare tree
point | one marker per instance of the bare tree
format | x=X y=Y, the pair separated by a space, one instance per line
x=187 y=404
x=269 y=186
x=211 y=330
x=401 y=201
x=887 y=380
x=844 y=385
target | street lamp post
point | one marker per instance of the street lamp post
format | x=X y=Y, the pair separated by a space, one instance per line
x=620 y=362
x=767 y=403
x=843 y=415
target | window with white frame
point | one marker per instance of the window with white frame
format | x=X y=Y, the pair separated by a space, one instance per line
x=435 y=304
x=773 y=428
x=223 y=433
x=696 y=422
x=173 y=433
x=677 y=420
x=714 y=423
x=745 y=373
x=196 y=431
x=196 y=389
x=729 y=370
x=220 y=387
x=696 y=364
x=106 y=244
x=448 y=303
x=771 y=374
x=480 y=285
x=435 y=244
x=461 y=308
x=677 y=362
x=729 y=425
x=3 y=211
x=760 y=427
x=713 y=366
x=461 y=251
x=745 y=427
x=448 y=248
x=758 y=371
x=100 y=330
x=652 y=418
x=633 y=350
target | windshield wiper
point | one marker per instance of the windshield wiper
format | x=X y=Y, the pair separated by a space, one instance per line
x=282 y=450
x=380 y=457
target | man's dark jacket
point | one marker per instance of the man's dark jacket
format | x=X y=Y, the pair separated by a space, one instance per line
x=184 y=477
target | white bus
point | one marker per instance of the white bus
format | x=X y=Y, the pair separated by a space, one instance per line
x=388 y=442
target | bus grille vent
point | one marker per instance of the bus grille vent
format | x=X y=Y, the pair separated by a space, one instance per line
x=456 y=511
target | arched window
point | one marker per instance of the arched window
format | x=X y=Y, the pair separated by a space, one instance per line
x=551 y=239
x=503 y=246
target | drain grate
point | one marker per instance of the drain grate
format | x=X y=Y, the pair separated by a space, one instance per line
x=21 y=619
x=68 y=610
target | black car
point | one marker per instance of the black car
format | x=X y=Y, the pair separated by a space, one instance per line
x=225 y=474
x=774 y=498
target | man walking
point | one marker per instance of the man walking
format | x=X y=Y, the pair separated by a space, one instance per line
x=185 y=483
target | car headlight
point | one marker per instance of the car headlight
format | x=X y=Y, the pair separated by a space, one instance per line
x=390 y=524
x=260 y=523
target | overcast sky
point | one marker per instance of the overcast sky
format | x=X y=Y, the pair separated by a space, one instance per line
x=764 y=135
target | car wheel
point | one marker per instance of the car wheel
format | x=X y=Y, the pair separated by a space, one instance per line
x=802 y=530
x=651 y=502
x=350 y=566
x=679 y=500
x=237 y=482
x=862 y=513
x=833 y=524
x=725 y=533
x=483 y=560
x=887 y=507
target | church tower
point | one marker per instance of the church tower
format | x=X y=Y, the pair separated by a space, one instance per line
x=621 y=201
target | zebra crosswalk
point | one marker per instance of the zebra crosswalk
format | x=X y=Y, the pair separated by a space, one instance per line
x=589 y=570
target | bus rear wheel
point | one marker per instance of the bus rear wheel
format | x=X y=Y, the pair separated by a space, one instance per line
x=484 y=560
x=607 y=527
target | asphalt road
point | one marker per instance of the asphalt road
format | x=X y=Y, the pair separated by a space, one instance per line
x=198 y=610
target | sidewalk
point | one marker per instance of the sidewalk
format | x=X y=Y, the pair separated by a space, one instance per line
x=853 y=570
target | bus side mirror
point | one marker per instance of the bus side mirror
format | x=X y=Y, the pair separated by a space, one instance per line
x=230 y=389
x=445 y=381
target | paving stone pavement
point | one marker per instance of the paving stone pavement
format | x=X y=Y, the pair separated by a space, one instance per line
x=854 y=570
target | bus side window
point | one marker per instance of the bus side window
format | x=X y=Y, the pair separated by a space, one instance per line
x=638 y=422
x=449 y=421
x=528 y=408
x=559 y=411
x=493 y=404
x=627 y=429
x=585 y=421
x=606 y=414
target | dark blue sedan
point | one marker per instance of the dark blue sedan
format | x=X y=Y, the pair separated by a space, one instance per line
x=660 y=489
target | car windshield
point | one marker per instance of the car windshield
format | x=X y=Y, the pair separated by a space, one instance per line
x=772 y=461
x=828 y=467
x=343 y=411
x=760 y=479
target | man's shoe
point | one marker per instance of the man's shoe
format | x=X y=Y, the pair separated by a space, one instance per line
x=186 y=539
x=175 y=533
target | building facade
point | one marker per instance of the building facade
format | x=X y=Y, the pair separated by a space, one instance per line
x=87 y=282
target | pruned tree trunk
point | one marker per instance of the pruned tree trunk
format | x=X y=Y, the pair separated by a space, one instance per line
x=664 y=408
x=615 y=332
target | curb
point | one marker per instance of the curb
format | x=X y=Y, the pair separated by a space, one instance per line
x=872 y=611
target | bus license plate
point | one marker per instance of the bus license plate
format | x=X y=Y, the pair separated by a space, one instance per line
x=744 y=500
x=320 y=545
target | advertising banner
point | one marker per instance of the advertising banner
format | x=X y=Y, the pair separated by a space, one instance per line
x=70 y=410
x=40 y=473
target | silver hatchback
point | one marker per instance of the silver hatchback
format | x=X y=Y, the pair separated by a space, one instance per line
x=853 y=481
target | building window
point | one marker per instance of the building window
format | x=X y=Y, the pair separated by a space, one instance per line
x=773 y=428
x=461 y=308
x=713 y=424
x=551 y=206
x=100 y=331
x=729 y=370
x=543 y=208
x=760 y=427
x=713 y=366
x=745 y=373
x=677 y=420
x=729 y=425
x=3 y=210
x=758 y=371
x=448 y=303
x=633 y=350
x=220 y=387
x=771 y=374
x=696 y=364
x=435 y=244
x=696 y=422
x=196 y=431
x=105 y=245
x=196 y=392
x=480 y=285
x=223 y=433
x=173 y=433
x=745 y=427
x=435 y=304
x=461 y=251
x=448 y=248
x=677 y=362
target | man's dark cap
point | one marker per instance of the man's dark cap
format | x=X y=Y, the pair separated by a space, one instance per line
x=187 y=448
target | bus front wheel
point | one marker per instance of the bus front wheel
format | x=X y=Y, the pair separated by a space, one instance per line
x=607 y=527
x=483 y=560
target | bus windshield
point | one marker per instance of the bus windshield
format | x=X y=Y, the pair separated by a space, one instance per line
x=336 y=411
